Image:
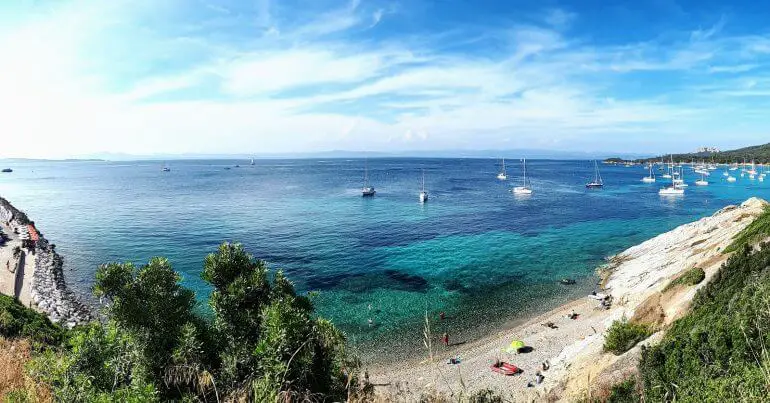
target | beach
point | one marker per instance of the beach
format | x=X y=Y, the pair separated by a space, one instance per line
x=636 y=279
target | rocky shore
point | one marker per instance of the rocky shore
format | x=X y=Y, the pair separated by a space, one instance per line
x=49 y=293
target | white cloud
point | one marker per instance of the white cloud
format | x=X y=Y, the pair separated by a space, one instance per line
x=298 y=90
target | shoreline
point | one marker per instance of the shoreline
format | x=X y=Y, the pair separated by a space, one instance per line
x=636 y=279
x=39 y=282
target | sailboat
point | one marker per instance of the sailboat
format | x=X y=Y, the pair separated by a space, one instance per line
x=502 y=175
x=651 y=178
x=597 y=182
x=252 y=162
x=423 y=193
x=672 y=190
x=526 y=188
x=367 y=190
x=669 y=170
x=702 y=181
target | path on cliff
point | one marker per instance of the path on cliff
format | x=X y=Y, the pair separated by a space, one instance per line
x=15 y=282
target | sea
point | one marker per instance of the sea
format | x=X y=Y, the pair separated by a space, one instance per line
x=377 y=267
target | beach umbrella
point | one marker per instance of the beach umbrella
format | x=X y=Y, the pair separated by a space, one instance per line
x=515 y=346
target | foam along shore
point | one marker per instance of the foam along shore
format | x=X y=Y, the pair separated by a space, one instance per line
x=636 y=279
x=37 y=280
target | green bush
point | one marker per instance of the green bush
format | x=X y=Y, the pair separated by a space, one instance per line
x=624 y=392
x=718 y=352
x=689 y=278
x=262 y=343
x=18 y=321
x=754 y=232
x=624 y=335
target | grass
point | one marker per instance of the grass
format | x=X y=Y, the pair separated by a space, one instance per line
x=754 y=232
x=689 y=278
x=15 y=384
x=624 y=335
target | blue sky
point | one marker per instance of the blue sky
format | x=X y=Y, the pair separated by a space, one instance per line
x=260 y=76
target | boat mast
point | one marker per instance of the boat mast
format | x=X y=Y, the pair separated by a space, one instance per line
x=525 y=171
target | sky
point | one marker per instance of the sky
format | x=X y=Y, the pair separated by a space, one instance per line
x=145 y=77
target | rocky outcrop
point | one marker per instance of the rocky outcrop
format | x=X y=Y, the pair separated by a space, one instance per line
x=49 y=291
x=638 y=280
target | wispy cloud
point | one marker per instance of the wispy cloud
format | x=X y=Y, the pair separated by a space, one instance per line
x=224 y=77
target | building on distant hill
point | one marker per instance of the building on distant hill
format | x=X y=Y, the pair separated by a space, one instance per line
x=707 y=150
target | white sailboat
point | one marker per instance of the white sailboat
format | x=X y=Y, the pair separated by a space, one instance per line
x=252 y=161
x=650 y=178
x=423 y=193
x=502 y=175
x=669 y=170
x=702 y=181
x=367 y=190
x=526 y=188
x=597 y=182
x=731 y=178
x=672 y=190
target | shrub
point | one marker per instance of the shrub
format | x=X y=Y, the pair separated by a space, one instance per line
x=262 y=343
x=624 y=335
x=624 y=392
x=718 y=351
x=689 y=278
x=754 y=232
x=18 y=321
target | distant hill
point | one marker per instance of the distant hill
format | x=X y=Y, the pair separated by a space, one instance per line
x=760 y=153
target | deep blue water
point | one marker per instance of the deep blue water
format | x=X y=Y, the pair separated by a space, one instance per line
x=474 y=250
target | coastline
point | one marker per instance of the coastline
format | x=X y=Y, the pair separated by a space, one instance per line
x=636 y=279
x=39 y=280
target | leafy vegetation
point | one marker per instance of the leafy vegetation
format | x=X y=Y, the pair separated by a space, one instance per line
x=16 y=321
x=689 y=278
x=754 y=232
x=718 y=352
x=624 y=335
x=624 y=392
x=263 y=342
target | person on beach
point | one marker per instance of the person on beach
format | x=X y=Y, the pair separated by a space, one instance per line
x=442 y=315
x=546 y=365
x=445 y=339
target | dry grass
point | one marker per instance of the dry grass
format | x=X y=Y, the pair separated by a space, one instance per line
x=14 y=354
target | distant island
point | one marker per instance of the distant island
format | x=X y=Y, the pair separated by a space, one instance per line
x=759 y=154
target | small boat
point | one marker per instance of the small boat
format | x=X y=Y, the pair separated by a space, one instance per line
x=526 y=187
x=567 y=281
x=423 y=193
x=672 y=190
x=7 y=170
x=367 y=190
x=505 y=368
x=227 y=168
x=702 y=181
x=597 y=182
x=165 y=169
x=252 y=162
x=502 y=175
x=237 y=166
x=731 y=178
x=650 y=178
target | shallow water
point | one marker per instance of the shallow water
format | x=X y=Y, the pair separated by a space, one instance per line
x=474 y=251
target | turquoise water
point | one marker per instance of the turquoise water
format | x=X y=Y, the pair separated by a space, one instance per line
x=474 y=251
